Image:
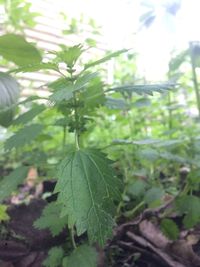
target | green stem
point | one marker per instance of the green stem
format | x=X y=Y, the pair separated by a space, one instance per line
x=64 y=136
x=73 y=239
x=131 y=213
x=77 y=135
x=170 y=111
x=194 y=77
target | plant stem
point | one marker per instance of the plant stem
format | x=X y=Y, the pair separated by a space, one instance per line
x=64 y=136
x=131 y=213
x=77 y=141
x=170 y=112
x=72 y=238
x=194 y=77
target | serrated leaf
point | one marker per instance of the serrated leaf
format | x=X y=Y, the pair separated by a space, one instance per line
x=59 y=84
x=137 y=188
x=137 y=142
x=23 y=136
x=87 y=188
x=116 y=103
x=106 y=58
x=83 y=256
x=65 y=90
x=85 y=79
x=3 y=214
x=147 y=89
x=149 y=154
x=169 y=229
x=36 y=67
x=190 y=206
x=55 y=257
x=153 y=196
x=166 y=143
x=93 y=96
x=50 y=219
x=70 y=55
x=176 y=61
x=169 y=156
x=29 y=115
x=30 y=99
x=142 y=102
x=9 y=183
x=16 y=49
x=63 y=94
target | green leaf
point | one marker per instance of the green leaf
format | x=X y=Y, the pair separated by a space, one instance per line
x=177 y=61
x=169 y=156
x=169 y=229
x=65 y=93
x=116 y=103
x=153 y=196
x=59 y=84
x=23 y=136
x=29 y=115
x=55 y=257
x=36 y=67
x=149 y=154
x=147 y=89
x=167 y=143
x=93 y=96
x=137 y=142
x=3 y=214
x=30 y=99
x=87 y=188
x=83 y=256
x=190 y=206
x=106 y=58
x=142 y=102
x=137 y=188
x=64 y=90
x=50 y=219
x=16 y=49
x=70 y=55
x=83 y=80
x=9 y=183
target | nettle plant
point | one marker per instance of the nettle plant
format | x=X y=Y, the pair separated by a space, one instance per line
x=88 y=191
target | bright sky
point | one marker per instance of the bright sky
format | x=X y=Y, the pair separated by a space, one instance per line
x=120 y=27
x=120 y=20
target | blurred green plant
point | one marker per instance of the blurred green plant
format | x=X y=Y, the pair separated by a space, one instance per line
x=88 y=189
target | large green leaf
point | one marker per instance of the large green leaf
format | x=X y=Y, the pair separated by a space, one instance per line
x=36 y=67
x=29 y=115
x=153 y=196
x=70 y=55
x=169 y=229
x=65 y=90
x=106 y=58
x=9 y=183
x=16 y=49
x=84 y=79
x=83 y=256
x=65 y=93
x=55 y=257
x=116 y=103
x=190 y=206
x=87 y=188
x=147 y=89
x=49 y=219
x=23 y=136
